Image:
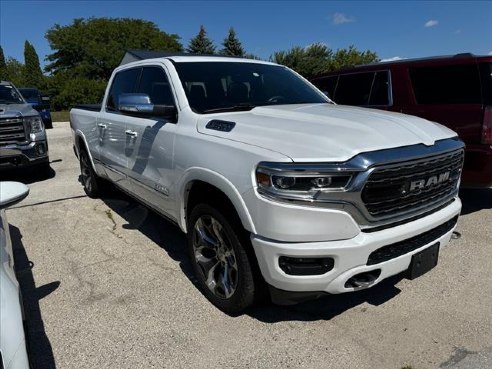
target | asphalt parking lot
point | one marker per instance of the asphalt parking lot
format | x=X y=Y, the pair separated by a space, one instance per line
x=107 y=284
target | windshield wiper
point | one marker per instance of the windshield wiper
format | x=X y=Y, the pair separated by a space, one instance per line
x=238 y=107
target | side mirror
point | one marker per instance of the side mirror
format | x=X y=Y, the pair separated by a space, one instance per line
x=140 y=105
x=11 y=193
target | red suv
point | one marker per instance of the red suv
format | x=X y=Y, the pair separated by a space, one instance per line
x=455 y=91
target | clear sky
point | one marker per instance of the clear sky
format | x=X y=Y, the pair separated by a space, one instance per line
x=392 y=29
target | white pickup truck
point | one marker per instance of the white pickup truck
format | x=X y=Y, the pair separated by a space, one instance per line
x=270 y=180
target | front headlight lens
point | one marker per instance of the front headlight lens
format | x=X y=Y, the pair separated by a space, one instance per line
x=299 y=183
x=35 y=123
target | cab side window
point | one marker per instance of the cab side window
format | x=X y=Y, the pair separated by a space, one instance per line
x=155 y=83
x=123 y=82
x=363 y=89
x=354 y=89
x=327 y=85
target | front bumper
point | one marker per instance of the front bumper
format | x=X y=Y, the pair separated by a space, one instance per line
x=34 y=153
x=350 y=255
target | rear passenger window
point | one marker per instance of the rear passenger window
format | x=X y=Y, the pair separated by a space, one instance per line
x=380 y=89
x=154 y=83
x=354 y=89
x=455 y=84
x=124 y=82
x=362 y=89
x=327 y=85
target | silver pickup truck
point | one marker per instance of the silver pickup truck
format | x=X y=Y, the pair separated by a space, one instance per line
x=22 y=134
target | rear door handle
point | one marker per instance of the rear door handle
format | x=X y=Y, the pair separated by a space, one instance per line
x=102 y=125
x=132 y=133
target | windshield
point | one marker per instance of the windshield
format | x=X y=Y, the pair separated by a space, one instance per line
x=229 y=86
x=8 y=95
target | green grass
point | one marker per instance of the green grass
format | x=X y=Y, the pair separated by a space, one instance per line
x=60 y=116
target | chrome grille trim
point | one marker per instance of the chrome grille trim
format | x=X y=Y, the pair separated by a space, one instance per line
x=387 y=191
x=12 y=131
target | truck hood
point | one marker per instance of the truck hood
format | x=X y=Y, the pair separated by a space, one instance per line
x=325 y=132
x=14 y=110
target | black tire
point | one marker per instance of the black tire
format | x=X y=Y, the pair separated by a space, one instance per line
x=229 y=256
x=89 y=179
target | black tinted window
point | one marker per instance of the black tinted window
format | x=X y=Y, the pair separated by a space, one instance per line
x=154 y=83
x=454 y=84
x=380 y=89
x=486 y=73
x=354 y=89
x=327 y=85
x=123 y=82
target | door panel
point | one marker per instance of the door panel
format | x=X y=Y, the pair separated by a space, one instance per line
x=149 y=156
x=112 y=142
x=111 y=126
x=149 y=145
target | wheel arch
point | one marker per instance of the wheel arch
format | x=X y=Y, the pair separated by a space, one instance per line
x=80 y=143
x=200 y=180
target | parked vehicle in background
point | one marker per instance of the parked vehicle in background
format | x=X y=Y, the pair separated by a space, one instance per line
x=455 y=91
x=13 y=352
x=40 y=103
x=23 y=139
x=270 y=180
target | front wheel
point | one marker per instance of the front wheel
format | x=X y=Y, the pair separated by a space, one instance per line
x=220 y=260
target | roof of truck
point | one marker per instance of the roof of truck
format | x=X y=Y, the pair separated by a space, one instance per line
x=137 y=55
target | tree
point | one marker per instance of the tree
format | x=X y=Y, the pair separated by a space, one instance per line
x=201 y=44
x=15 y=71
x=319 y=58
x=92 y=48
x=232 y=45
x=3 y=66
x=33 y=77
x=352 y=56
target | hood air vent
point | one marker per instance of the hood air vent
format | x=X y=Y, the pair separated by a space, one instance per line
x=220 y=125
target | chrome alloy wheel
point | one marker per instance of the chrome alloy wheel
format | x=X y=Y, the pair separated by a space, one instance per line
x=215 y=257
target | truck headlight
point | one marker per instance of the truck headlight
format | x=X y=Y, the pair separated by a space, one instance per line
x=298 y=181
x=35 y=124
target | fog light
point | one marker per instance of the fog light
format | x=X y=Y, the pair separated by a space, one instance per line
x=40 y=149
x=305 y=266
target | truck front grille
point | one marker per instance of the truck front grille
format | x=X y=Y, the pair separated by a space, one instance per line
x=12 y=130
x=401 y=188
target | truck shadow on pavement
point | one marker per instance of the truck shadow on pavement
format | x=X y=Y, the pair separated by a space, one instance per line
x=329 y=306
x=162 y=232
x=475 y=200
x=28 y=175
x=170 y=238
x=39 y=346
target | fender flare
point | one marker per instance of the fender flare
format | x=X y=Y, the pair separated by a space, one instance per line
x=80 y=135
x=220 y=182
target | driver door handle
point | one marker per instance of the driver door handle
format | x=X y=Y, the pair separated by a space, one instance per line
x=131 y=132
x=102 y=125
